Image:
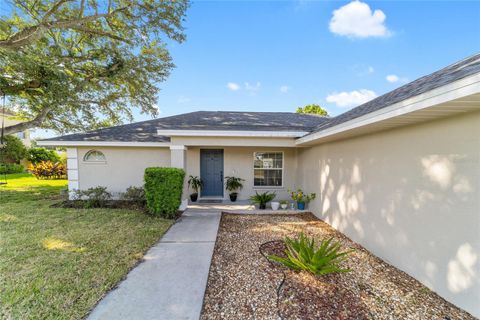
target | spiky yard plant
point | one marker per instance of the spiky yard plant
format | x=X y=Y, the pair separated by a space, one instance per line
x=302 y=254
x=262 y=198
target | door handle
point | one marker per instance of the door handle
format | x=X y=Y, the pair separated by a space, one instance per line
x=221 y=176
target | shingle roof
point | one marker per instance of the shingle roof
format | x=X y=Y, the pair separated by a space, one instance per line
x=454 y=72
x=146 y=131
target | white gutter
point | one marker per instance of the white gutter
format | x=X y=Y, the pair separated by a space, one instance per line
x=103 y=144
x=455 y=90
x=228 y=133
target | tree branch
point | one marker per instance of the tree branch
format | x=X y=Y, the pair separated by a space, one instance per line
x=35 y=122
x=30 y=34
x=53 y=9
x=100 y=33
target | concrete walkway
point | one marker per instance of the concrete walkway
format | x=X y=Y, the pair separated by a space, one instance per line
x=170 y=283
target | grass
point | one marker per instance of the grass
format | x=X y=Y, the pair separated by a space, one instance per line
x=57 y=263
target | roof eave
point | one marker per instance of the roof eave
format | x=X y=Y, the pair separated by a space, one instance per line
x=57 y=143
x=455 y=90
x=232 y=133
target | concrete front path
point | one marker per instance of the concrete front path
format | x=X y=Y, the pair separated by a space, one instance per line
x=170 y=283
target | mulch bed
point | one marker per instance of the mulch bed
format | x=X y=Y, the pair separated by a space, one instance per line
x=243 y=284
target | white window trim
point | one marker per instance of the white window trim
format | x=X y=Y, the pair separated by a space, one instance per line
x=282 y=168
x=93 y=161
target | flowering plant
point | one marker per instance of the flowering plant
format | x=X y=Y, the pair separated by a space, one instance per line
x=300 y=196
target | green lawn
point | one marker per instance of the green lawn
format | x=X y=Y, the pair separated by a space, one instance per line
x=57 y=263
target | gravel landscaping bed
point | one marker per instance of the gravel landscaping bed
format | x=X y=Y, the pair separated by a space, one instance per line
x=243 y=284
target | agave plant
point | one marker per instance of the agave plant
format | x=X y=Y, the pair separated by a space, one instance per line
x=302 y=254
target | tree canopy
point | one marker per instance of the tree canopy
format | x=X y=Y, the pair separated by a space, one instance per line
x=313 y=109
x=72 y=65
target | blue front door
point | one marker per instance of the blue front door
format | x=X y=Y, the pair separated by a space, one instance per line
x=211 y=172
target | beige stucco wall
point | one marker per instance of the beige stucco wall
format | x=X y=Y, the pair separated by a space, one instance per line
x=238 y=161
x=411 y=196
x=124 y=167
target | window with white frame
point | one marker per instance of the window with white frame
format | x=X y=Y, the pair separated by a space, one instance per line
x=268 y=169
x=94 y=156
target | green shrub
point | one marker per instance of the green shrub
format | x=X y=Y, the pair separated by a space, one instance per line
x=94 y=197
x=14 y=150
x=163 y=190
x=36 y=155
x=136 y=194
x=303 y=255
x=7 y=168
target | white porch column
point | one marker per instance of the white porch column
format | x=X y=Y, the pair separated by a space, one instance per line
x=72 y=171
x=178 y=159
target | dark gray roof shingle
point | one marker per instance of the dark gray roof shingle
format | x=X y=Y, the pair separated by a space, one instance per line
x=454 y=72
x=146 y=131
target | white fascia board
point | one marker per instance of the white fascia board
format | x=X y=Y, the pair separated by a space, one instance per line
x=103 y=144
x=455 y=90
x=228 y=133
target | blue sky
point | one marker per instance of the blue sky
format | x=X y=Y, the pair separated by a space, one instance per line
x=278 y=55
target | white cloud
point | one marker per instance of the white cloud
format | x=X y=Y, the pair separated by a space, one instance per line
x=183 y=99
x=284 y=89
x=233 y=86
x=352 y=98
x=252 y=88
x=371 y=69
x=392 y=78
x=356 y=20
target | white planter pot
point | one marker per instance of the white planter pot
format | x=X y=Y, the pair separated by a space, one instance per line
x=275 y=205
x=284 y=206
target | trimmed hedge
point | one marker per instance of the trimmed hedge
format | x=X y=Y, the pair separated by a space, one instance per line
x=163 y=190
x=11 y=168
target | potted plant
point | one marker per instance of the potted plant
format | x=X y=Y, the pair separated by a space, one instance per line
x=196 y=184
x=232 y=184
x=301 y=198
x=262 y=199
x=284 y=204
x=275 y=205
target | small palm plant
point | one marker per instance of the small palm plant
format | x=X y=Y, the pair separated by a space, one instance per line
x=232 y=184
x=196 y=184
x=262 y=199
x=302 y=254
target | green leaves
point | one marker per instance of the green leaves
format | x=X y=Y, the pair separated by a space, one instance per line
x=302 y=254
x=71 y=65
x=262 y=198
x=233 y=183
x=313 y=109
x=163 y=190
x=195 y=183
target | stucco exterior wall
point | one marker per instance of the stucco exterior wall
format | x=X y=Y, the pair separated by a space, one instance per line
x=124 y=167
x=238 y=161
x=410 y=196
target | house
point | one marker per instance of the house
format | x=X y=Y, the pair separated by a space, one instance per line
x=9 y=118
x=399 y=174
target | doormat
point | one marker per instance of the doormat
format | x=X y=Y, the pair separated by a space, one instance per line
x=209 y=201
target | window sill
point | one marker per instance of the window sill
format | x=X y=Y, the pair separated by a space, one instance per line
x=268 y=188
x=94 y=162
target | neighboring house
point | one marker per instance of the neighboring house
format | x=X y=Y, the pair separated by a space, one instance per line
x=399 y=174
x=10 y=119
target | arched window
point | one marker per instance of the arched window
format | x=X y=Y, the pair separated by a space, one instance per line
x=94 y=156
